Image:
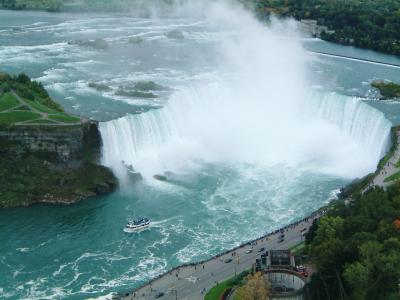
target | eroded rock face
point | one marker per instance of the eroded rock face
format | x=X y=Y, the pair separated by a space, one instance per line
x=52 y=164
x=59 y=145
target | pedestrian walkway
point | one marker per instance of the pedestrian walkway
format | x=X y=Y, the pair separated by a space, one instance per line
x=194 y=280
x=388 y=169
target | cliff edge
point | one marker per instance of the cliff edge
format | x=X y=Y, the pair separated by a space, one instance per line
x=46 y=155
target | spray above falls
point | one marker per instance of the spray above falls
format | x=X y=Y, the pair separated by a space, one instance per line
x=257 y=108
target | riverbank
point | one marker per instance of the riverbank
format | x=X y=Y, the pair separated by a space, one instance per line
x=47 y=155
x=365 y=25
x=388 y=90
x=189 y=281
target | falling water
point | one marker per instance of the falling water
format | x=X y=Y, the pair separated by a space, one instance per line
x=334 y=134
x=258 y=109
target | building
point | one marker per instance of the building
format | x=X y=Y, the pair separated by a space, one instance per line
x=286 y=284
x=311 y=28
x=278 y=267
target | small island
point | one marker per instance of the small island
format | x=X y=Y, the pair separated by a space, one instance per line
x=47 y=155
x=388 y=90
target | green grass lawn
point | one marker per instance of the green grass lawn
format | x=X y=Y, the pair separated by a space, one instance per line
x=13 y=117
x=8 y=101
x=42 y=121
x=395 y=176
x=297 y=248
x=64 y=118
x=217 y=291
x=40 y=107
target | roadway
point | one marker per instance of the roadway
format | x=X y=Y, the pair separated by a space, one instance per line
x=187 y=282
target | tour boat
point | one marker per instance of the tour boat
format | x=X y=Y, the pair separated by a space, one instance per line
x=137 y=225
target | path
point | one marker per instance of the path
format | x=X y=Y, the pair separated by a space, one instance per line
x=388 y=169
x=44 y=115
x=188 y=281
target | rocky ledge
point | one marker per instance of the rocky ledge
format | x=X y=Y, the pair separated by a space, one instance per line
x=52 y=164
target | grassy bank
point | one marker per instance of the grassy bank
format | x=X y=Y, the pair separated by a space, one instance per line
x=366 y=24
x=218 y=290
x=26 y=102
x=388 y=90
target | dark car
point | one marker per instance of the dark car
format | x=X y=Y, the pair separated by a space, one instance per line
x=159 y=295
x=228 y=260
x=261 y=250
x=281 y=240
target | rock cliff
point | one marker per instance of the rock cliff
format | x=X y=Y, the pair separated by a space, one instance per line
x=52 y=164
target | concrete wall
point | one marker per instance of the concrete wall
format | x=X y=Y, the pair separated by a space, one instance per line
x=285 y=279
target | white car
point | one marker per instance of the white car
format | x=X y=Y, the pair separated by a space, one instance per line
x=249 y=251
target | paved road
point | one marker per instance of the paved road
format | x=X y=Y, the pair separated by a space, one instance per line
x=190 y=280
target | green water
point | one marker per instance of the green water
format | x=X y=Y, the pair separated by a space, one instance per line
x=81 y=251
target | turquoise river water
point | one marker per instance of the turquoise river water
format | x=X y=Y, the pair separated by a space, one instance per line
x=254 y=132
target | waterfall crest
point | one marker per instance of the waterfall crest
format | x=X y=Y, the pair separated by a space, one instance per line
x=332 y=134
x=260 y=110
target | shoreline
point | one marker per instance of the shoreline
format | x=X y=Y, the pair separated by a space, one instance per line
x=124 y=13
x=311 y=217
x=355 y=58
x=317 y=214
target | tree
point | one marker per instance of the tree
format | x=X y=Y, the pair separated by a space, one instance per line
x=312 y=232
x=256 y=288
x=358 y=277
x=23 y=78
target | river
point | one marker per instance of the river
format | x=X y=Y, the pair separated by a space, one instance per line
x=254 y=132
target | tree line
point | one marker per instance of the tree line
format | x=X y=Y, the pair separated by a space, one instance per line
x=356 y=248
x=368 y=24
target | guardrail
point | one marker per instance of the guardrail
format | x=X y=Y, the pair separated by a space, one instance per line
x=315 y=215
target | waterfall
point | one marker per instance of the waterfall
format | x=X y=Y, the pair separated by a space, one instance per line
x=332 y=134
x=362 y=123
x=259 y=111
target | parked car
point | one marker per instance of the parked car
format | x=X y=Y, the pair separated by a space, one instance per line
x=249 y=251
x=281 y=240
x=261 y=250
x=159 y=295
x=304 y=273
x=228 y=260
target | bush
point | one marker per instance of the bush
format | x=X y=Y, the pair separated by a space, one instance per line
x=22 y=78
x=24 y=92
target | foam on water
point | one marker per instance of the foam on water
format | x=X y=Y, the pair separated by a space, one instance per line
x=251 y=147
x=259 y=111
x=339 y=135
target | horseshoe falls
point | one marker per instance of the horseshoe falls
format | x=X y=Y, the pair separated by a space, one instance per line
x=253 y=133
x=256 y=107
x=334 y=134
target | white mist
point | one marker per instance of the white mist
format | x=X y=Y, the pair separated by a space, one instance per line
x=260 y=110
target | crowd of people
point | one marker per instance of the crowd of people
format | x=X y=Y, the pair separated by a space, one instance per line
x=201 y=264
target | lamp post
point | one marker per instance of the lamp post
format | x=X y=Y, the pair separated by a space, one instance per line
x=174 y=290
x=237 y=262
